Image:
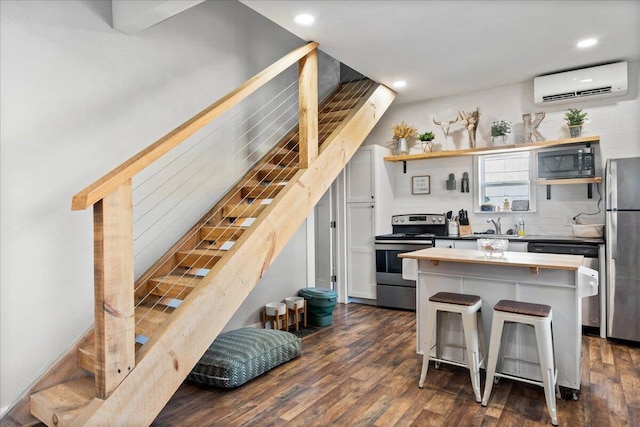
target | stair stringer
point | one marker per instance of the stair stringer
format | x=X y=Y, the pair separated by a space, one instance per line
x=166 y=360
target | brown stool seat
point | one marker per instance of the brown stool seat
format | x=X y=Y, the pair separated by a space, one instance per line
x=453 y=298
x=526 y=308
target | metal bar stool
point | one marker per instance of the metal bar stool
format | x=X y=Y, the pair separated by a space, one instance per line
x=469 y=307
x=540 y=317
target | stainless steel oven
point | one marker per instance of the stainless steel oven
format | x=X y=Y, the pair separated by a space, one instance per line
x=410 y=233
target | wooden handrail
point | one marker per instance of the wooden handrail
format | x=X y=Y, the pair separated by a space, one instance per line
x=121 y=174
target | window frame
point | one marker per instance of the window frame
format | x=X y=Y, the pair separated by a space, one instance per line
x=479 y=183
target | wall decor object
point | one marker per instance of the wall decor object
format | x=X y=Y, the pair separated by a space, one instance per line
x=445 y=119
x=470 y=121
x=421 y=184
x=530 y=129
x=464 y=187
x=451 y=182
x=401 y=133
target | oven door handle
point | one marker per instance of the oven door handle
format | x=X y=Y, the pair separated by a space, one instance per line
x=402 y=246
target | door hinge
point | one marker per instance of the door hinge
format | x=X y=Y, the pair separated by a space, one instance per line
x=334 y=278
x=332 y=224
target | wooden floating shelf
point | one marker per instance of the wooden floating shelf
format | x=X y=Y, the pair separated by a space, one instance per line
x=594 y=180
x=527 y=146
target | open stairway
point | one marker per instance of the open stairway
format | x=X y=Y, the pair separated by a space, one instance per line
x=185 y=299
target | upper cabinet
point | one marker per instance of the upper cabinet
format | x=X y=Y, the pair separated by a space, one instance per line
x=368 y=179
x=360 y=177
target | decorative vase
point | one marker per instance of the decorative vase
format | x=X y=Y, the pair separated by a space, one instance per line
x=403 y=146
x=575 y=131
x=499 y=140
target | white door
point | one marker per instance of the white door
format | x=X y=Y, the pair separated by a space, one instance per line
x=324 y=231
x=361 y=271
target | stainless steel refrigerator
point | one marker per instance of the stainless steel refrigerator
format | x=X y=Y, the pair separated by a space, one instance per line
x=622 y=189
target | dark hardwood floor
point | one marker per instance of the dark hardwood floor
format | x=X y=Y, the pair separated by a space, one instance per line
x=363 y=371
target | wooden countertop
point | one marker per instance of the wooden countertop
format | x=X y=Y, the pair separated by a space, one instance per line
x=533 y=261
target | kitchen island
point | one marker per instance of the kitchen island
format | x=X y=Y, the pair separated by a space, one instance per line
x=556 y=280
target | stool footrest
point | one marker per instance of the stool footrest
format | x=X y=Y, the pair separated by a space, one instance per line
x=526 y=380
x=450 y=362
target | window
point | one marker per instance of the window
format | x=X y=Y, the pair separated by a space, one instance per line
x=504 y=176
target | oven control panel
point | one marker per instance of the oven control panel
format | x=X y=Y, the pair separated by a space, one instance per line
x=418 y=219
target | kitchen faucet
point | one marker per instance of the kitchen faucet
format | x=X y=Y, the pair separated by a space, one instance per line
x=496 y=224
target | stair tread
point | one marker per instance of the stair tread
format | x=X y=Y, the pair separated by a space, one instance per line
x=261 y=191
x=277 y=173
x=149 y=318
x=198 y=258
x=174 y=285
x=61 y=404
x=182 y=279
x=247 y=210
x=87 y=358
x=215 y=232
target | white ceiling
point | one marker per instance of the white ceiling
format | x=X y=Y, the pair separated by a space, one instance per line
x=442 y=48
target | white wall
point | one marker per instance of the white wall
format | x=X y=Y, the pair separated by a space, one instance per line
x=616 y=120
x=78 y=98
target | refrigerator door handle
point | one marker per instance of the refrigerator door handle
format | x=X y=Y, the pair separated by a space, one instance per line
x=612 y=192
x=614 y=234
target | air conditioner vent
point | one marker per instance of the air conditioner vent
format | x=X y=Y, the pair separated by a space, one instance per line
x=601 y=81
x=558 y=97
x=597 y=91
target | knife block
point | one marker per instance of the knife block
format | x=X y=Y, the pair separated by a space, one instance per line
x=464 y=230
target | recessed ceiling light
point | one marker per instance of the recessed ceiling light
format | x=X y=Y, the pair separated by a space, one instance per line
x=587 y=42
x=399 y=84
x=586 y=80
x=304 y=19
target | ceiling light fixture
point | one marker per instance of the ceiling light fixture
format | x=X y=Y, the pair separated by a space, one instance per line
x=586 y=43
x=304 y=19
x=399 y=84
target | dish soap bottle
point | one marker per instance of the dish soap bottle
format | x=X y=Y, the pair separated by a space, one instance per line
x=521 y=227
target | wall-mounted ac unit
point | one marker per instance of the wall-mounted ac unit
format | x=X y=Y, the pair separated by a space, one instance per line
x=586 y=83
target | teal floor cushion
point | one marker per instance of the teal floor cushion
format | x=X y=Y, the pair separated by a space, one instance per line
x=241 y=355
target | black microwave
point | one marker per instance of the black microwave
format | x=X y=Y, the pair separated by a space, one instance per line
x=571 y=163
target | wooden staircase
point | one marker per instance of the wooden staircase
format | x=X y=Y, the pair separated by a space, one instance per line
x=185 y=299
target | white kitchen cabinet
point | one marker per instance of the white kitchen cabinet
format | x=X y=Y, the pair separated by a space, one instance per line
x=361 y=256
x=368 y=197
x=514 y=246
x=442 y=243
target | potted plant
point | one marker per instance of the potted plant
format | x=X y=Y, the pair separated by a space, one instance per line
x=499 y=131
x=575 y=119
x=426 y=140
x=401 y=133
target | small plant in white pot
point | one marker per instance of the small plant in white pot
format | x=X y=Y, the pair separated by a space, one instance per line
x=575 y=119
x=499 y=131
x=426 y=139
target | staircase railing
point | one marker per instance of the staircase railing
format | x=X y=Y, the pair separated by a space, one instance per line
x=111 y=198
